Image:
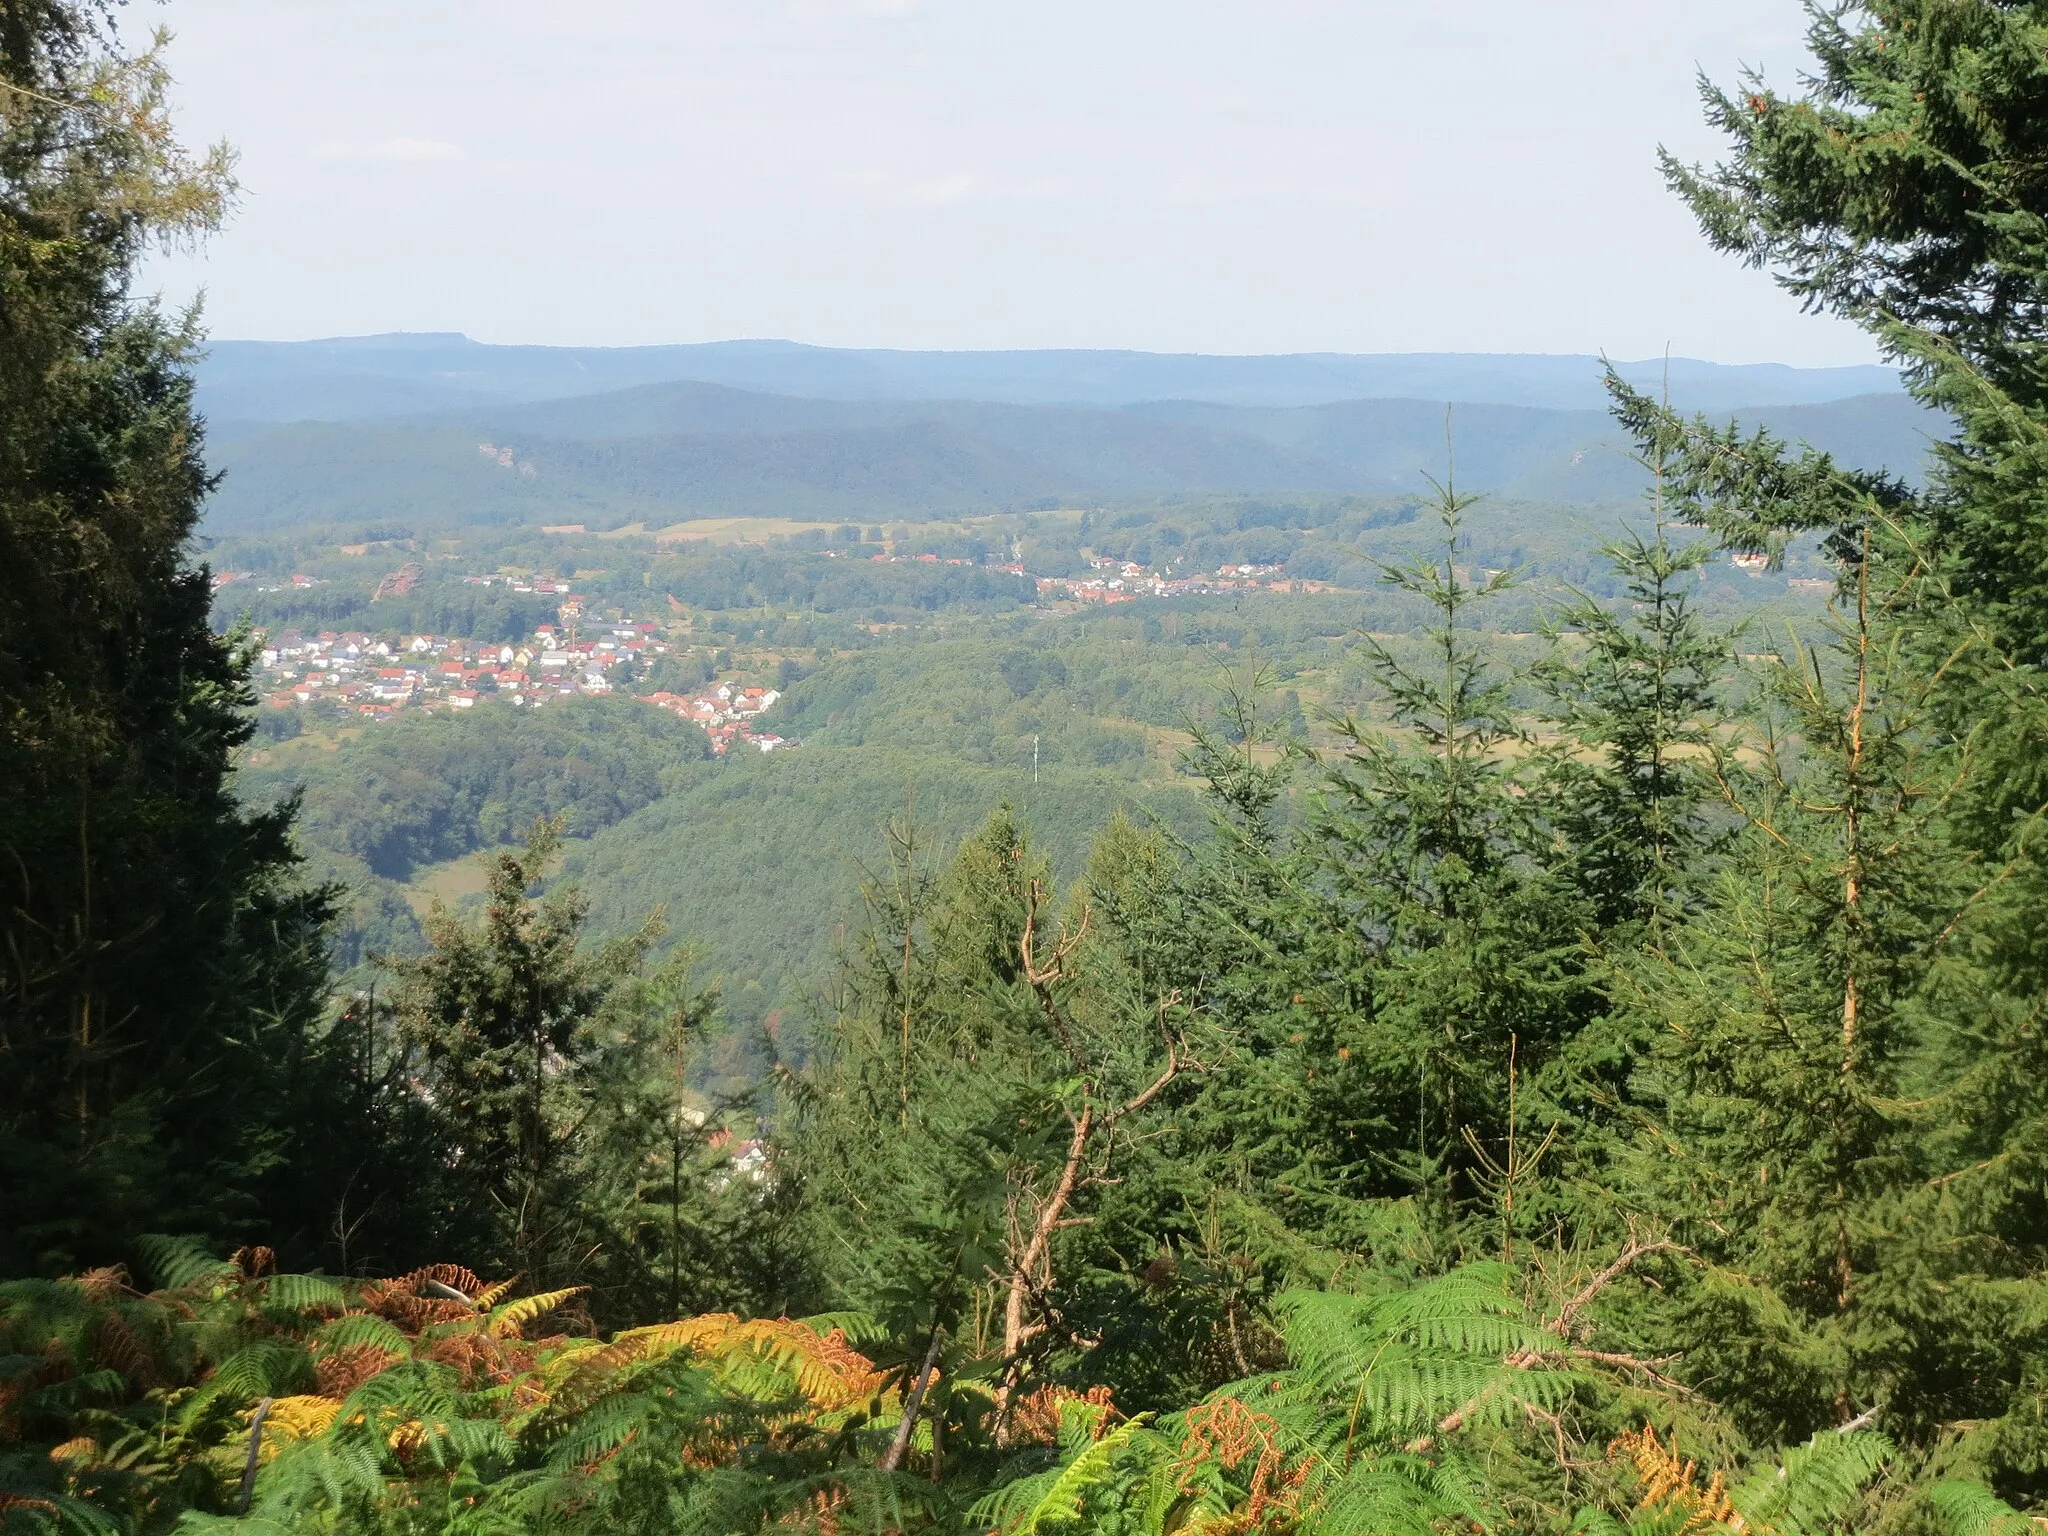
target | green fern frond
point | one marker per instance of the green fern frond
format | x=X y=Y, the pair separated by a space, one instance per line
x=265 y=1368
x=343 y=1468
x=292 y=1296
x=1055 y=1497
x=28 y=1303
x=1405 y=1360
x=1154 y=1506
x=863 y=1330
x=1815 y=1486
x=351 y=1466
x=76 y=1392
x=863 y=1501
x=599 y=1431
x=1080 y=1423
x=353 y=1330
x=1003 y=1511
x=26 y=1513
x=1971 y=1509
x=466 y=1439
x=1462 y=1314
x=196 y=1523
x=1474 y=1308
x=413 y=1393
x=182 y=1263
x=1334 y=1341
x=1400 y=1495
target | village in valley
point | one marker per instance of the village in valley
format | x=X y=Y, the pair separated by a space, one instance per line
x=363 y=676
x=368 y=677
x=371 y=678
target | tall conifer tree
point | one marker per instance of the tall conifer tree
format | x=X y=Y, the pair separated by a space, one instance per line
x=158 y=964
x=1846 y=1106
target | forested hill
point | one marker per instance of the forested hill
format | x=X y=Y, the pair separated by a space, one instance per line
x=663 y=453
x=357 y=377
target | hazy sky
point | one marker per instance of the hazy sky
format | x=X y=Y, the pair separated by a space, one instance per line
x=1175 y=175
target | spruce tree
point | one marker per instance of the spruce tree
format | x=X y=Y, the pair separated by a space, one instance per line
x=1397 y=969
x=1634 y=694
x=975 y=1100
x=1880 y=919
x=1905 y=188
x=692 y=1218
x=1842 y=1101
x=507 y=1020
x=1904 y=181
x=159 y=965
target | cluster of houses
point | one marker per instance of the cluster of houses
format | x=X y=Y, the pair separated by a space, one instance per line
x=729 y=714
x=298 y=581
x=374 y=678
x=925 y=559
x=1123 y=581
x=1755 y=565
x=544 y=585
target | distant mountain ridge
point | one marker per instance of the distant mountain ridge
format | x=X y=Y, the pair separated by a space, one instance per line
x=666 y=453
x=243 y=383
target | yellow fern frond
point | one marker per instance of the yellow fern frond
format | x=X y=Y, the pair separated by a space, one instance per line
x=825 y=1370
x=1671 y=1482
x=491 y=1295
x=686 y=1333
x=407 y=1438
x=83 y=1449
x=591 y=1373
x=509 y=1319
x=562 y=1361
x=299 y=1418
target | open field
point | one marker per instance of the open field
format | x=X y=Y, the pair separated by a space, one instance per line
x=454 y=881
x=731 y=530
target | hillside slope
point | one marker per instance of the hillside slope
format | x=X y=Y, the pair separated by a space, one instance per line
x=721 y=853
x=364 y=377
x=670 y=452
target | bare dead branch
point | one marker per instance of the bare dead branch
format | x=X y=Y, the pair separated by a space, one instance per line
x=1527 y=1359
x=913 y=1401
x=1634 y=1250
x=1632 y=1363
